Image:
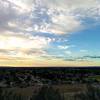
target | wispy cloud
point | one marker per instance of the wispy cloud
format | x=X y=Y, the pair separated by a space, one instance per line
x=92 y=57
x=82 y=58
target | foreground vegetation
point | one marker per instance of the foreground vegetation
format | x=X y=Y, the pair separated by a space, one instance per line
x=50 y=93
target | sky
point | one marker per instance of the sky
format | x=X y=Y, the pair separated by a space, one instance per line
x=49 y=33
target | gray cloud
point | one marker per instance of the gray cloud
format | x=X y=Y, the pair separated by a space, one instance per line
x=82 y=58
x=11 y=18
x=3 y=51
x=92 y=57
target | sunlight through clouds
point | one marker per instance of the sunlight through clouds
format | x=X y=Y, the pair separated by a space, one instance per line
x=45 y=30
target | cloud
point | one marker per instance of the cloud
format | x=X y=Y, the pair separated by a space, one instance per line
x=68 y=52
x=92 y=57
x=23 y=4
x=10 y=16
x=64 y=17
x=63 y=47
x=53 y=20
x=19 y=42
x=47 y=16
x=88 y=58
x=83 y=51
x=21 y=45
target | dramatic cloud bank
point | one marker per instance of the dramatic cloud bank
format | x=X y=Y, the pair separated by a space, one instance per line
x=32 y=28
x=50 y=16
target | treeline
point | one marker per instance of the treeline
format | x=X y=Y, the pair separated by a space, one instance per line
x=56 y=71
x=11 y=77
